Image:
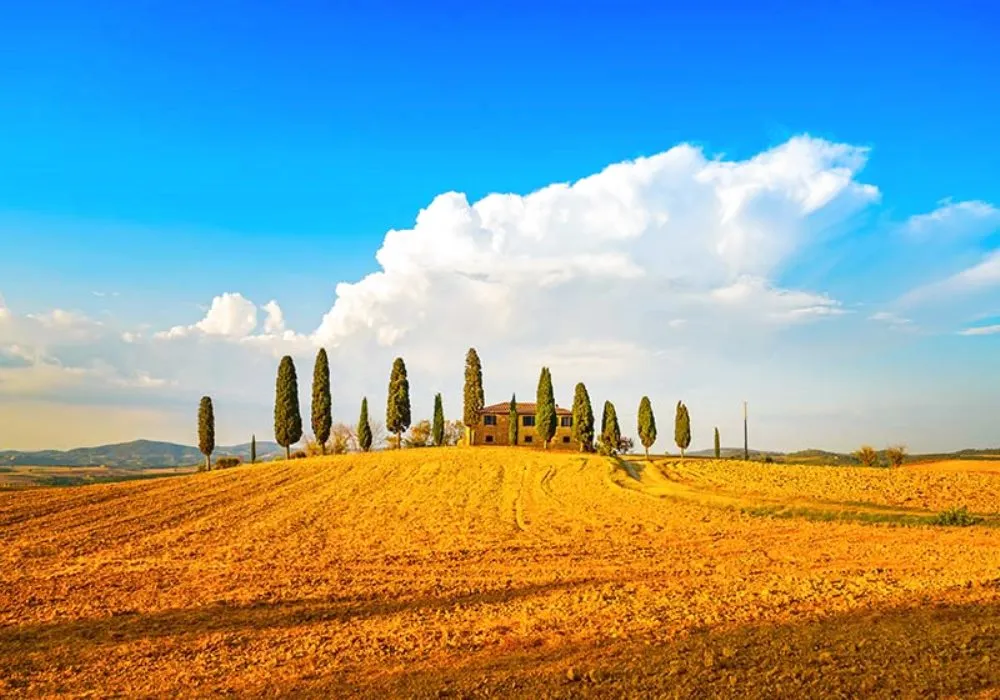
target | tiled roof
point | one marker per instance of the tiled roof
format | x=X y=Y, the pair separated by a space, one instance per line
x=522 y=409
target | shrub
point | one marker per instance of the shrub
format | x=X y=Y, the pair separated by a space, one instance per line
x=867 y=456
x=299 y=454
x=956 y=517
x=228 y=462
x=625 y=445
x=896 y=455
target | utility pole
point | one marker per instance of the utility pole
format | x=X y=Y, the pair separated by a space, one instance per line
x=746 y=444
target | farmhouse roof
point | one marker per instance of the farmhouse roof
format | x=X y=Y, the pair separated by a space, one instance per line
x=523 y=408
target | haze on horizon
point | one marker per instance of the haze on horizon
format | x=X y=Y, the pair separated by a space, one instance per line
x=668 y=204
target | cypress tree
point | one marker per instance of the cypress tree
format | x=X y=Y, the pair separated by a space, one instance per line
x=611 y=434
x=682 y=428
x=437 y=432
x=206 y=430
x=253 y=449
x=718 y=446
x=397 y=408
x=647 y=424
x=583 y=418
x=472 y=393
x=287 y=419
x=545 y=408
x=364 y=427
x=512 y=421
x=322 y=417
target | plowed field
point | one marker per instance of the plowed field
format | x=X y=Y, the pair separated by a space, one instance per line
x=503 y=572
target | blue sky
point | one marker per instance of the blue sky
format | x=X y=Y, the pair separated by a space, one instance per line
x=163 y=154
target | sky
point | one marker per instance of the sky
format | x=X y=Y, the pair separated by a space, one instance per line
x=790 y=204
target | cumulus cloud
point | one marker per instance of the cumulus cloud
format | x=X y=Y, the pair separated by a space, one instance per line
x=230 y=316
x=671 y=233
x=970 y=219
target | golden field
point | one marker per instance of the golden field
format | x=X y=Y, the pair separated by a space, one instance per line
x=503 y=572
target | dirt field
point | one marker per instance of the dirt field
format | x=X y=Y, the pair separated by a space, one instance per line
x=503 y=572
x=25 y=477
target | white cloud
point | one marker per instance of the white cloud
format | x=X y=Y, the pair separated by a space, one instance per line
x=892 y=320
x=970 y=219
x=984 y=275
x=981 y=330
x=275 y=321
x=683 y=230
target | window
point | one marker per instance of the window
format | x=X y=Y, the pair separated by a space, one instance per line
x=489 y=438
x=527 y=439
x=566 y=421
x=566 y=439
x=528 y=421
x=489 y=420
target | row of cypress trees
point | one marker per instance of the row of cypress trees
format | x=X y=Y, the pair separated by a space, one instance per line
x=288 y=420
x=610 y=436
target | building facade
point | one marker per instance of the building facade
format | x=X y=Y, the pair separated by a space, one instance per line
x=494 y=427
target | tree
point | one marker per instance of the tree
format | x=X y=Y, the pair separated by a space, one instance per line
x=287 y=419
x=437 y=431
x=322 y=417
x=206 y=430
x=472 y=393
x=583 y=418
x=718 y=447
x=611 y=434
x=896 y=454
x=253 y=449
x=682 y=428
x=545 y=408
x=647 y=424
x=867 y=456
x=397 y=408
x=420 y=434
x=512 y=421
x=453 y=431
x=364 y=427
x=342 y=439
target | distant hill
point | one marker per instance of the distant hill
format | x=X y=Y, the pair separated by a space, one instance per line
x=138 y=454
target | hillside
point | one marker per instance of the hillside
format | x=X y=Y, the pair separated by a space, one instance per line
x=510 y=573
x=138 y=454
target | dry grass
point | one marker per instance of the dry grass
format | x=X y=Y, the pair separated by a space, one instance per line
x=508 y=571
x=931 y=487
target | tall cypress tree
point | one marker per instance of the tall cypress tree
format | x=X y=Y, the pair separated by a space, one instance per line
x=397 y=408
x=322 y=417
x=206 y=430
x=364 y=427
x=583 y=418
x=647 y=424
x=718 y=445
x=287 y=419
x=472 y=393
x=253 y=449
x=545 y=408
x=682 y=427
x=611 y=434
x=437 y=431
x=512 y=421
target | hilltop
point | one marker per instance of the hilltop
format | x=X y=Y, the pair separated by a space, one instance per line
x=504 y=572
x=138 y=454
